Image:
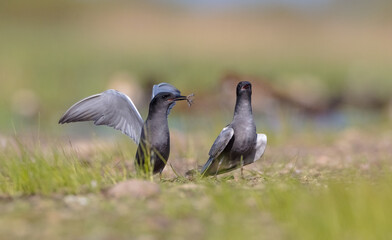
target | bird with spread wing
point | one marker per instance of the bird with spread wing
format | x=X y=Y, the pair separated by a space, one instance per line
x=115 y=109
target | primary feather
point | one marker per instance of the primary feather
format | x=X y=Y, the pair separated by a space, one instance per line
x=221 y=142
x=111 y=108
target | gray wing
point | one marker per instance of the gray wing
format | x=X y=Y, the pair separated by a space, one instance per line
x=165 y=87
x=219 y=145
x=221 y=142
x=111 y=108
x=261 y=144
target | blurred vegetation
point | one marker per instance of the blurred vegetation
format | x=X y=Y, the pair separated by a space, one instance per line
x=64 y=50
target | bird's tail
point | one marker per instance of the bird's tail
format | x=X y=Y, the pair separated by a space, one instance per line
x=206 y=166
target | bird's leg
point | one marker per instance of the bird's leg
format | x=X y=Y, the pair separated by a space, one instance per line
x=216 y=176
x=160 y=176
x=242 y=168
x=217 y=169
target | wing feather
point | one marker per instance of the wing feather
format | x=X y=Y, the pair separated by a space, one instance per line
x=111 y=108
x=261 y=145
x=164 y=87
x=221 y=142
x=217 y=148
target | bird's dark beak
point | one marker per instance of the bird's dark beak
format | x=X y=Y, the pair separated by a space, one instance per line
x=180 y=98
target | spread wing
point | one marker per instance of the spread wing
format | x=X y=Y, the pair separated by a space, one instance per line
x=261 y=144
x=111 y=108
x=219 y=145
x=165 y=87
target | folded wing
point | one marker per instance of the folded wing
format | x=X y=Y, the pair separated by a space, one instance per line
x=164 y=87
x=219 y=145
x=111 y=108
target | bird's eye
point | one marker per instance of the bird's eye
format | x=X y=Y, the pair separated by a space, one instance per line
x=166 y=96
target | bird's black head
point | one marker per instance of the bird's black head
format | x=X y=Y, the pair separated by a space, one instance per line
x=163 y=100
x=244 y=87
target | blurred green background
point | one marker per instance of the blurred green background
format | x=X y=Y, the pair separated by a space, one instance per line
x=53 y=53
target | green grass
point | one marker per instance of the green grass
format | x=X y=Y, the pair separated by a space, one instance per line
x=55 y=192
x=28 y=171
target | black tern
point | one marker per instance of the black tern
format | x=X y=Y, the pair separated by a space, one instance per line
x=238 y=144
x=115 y=109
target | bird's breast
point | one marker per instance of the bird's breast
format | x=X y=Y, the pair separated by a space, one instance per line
x=244 y=139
